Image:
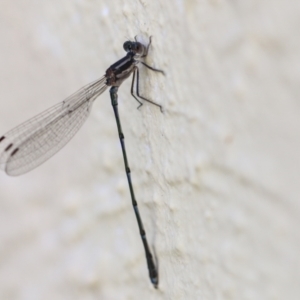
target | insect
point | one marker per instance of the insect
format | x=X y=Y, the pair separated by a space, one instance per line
x=33 y=142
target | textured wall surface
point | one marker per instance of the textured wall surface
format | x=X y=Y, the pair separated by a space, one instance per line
x=216 y=176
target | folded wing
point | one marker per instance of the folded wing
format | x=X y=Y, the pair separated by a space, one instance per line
x=36 y=140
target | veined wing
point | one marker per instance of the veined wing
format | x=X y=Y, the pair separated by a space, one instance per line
x=33 y=142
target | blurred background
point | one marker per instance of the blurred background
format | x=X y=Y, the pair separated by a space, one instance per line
x=216 y=176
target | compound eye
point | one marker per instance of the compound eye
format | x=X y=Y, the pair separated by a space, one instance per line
x=127 y=46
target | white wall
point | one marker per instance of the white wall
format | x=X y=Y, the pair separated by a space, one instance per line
x=216 y=176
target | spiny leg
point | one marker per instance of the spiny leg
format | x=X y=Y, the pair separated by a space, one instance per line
x=147 y=46
x=150 y=40
x=132 y=84
x=153 y=273
x=138 y=93
x=152 y=69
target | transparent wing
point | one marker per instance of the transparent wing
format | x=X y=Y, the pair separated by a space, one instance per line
x=36 y=140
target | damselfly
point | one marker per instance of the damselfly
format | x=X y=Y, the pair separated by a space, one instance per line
x=33 y=142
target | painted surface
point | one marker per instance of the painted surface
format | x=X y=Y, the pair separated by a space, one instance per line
x=216 y=176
